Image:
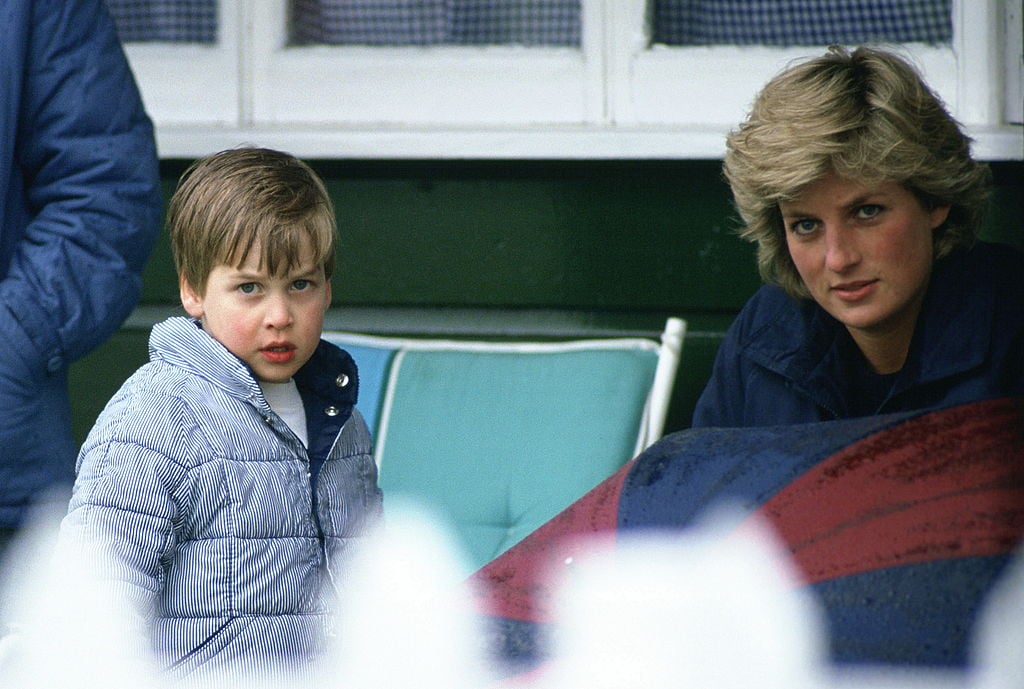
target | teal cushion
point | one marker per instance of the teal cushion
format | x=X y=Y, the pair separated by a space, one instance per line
x=496 y=443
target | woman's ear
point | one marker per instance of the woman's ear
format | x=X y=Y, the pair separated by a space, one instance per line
x=938 y=215
x=190 y=299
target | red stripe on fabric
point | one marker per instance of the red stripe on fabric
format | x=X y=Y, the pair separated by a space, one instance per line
x=943 y=485
x=516 y=584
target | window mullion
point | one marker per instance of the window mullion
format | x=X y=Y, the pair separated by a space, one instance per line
x=595 y=44
x=977 y=48
x=244 y=11
x=628 y=36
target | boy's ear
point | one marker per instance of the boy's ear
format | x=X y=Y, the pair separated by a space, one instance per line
x=190 y=299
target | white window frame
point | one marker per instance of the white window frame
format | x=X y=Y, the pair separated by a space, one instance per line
x=188 y=87
x=614 y=97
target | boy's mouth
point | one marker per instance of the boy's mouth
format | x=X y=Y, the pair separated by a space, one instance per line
x=278 y=354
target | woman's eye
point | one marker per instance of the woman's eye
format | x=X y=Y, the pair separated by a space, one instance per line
x=869 y=211
x=803 y=227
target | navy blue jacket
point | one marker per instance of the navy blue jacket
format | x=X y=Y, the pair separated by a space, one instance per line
x=787 y=361
x=80 y=210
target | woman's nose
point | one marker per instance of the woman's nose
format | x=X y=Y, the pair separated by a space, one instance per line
x=841 y=250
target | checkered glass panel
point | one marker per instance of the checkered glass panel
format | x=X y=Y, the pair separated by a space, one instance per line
x=174 y=21
x=800 y=22
x=435 y=22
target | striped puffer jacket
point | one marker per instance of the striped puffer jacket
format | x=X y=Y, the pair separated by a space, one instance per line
x=219 y=530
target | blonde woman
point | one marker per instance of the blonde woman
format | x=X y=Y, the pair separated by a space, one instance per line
x=861 y=193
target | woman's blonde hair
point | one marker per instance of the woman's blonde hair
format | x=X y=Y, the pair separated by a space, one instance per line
x=866 y=115
x=231 y=201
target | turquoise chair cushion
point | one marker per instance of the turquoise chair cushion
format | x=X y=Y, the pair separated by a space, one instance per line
x=497 y=443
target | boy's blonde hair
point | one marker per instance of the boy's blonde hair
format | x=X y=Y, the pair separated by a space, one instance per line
x=868 y=116
x=231 y=201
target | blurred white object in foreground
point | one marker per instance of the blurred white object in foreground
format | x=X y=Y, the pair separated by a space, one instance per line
x=708 y=608
x=692 y=609
x=66 y=628
x=998 y=649
x=405 y=616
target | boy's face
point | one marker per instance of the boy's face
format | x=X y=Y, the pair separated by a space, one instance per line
x=271 y=322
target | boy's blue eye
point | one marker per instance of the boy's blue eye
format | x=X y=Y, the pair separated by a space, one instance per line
x=301 y=285
x=247 y=288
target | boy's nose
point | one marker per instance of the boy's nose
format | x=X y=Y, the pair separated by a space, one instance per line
x=279 y=313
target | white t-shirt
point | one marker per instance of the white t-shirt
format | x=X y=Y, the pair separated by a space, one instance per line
x=284 y=399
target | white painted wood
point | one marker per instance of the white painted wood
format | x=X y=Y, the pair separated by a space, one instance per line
x=614 y=97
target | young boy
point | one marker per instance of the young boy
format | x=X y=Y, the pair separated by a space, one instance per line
x=224 y=479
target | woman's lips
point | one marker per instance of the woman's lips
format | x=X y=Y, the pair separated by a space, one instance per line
x=855 y=291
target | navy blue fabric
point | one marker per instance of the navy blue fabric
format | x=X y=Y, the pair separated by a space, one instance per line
x=922 y=611
x=900 y=525
x=919 y=613
x=80 y=211
x=783 y=360
x=374 y=367
x=675 y=480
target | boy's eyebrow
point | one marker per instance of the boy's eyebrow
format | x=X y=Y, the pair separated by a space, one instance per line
x=241 y=273
x=304 y=272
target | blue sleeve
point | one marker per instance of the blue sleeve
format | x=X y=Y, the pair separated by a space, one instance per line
x=725 y=400
x=86 y=158
x=720 y=403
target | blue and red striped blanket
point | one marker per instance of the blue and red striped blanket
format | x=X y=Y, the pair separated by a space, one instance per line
x=899 y=524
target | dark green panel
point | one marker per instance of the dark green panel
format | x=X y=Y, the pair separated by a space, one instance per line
x=1005 y=221
x=635 y=235
x=160 y=280
x=94 y=379
x=647 y=235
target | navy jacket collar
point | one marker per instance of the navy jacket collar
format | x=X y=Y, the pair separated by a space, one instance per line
x=805 y=345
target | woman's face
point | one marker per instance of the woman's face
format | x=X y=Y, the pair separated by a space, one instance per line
x=865 y=254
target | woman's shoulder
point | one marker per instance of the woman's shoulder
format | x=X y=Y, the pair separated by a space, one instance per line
x=996 y=268
x=771 y=312
x=995 y=261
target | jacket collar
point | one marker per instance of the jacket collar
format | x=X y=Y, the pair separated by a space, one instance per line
x=805 y=344
x=182 y=342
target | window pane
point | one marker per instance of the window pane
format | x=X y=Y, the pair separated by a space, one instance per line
x=436 y=22
x=800 y=22
x=176 y=21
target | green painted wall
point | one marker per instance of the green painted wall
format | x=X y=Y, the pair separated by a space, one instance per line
x=606 y=245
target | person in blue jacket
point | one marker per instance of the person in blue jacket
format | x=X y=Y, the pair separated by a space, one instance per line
x=225 y=482
x=861 y=193
x=80 y=210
